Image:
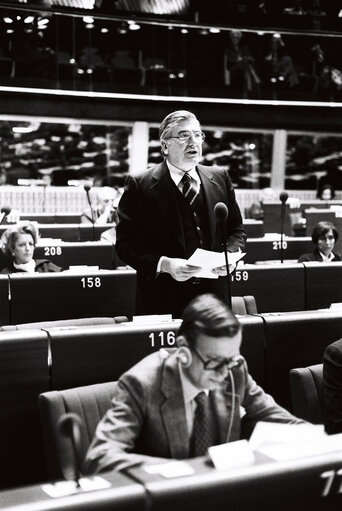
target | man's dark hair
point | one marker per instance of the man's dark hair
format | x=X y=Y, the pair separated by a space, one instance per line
x=321 y=229
x=207 y=314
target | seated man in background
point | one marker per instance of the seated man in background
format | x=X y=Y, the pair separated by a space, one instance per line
x=324 y=235
x=104 y=211
x=332 y=386
x=18 y=244
x=167 y=402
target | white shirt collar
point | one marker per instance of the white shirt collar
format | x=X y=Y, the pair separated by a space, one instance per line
x=190 y=391
x=327 y=259
x=177 y=174
x=28 y=267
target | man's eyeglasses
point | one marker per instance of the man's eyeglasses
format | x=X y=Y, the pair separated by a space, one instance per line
x=184 y=137
x=216 y=365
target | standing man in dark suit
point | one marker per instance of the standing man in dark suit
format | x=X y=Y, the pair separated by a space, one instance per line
x=167 y=212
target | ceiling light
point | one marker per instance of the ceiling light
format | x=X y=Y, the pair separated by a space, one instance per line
x=104 y=30
x=133 y=26
x=184 y=31
x=89 y=25
x=214 y=30
x=88 y=19
x=29 y=19
x=8 y=20
x=9 y=31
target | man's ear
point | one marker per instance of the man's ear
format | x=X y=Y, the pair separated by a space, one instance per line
x=164 y=147
x=184 y=354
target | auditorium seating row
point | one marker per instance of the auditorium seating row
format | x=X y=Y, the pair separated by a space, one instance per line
x=276 y=288
x=36 y=361
x=69 y=232
x=103 y=255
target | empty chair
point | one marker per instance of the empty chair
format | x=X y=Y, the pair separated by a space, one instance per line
x=244 y=305
x=306 y=386
x=90 y=403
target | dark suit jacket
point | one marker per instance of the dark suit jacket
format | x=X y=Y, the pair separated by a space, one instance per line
x=332 y=386
x=147 y=421
x=316 y=256
x=150 y=226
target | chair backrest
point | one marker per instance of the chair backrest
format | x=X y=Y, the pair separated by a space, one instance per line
x=244 y=305
x=306 y=385
x=90 y=403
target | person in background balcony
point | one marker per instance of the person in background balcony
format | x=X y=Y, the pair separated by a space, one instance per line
x=104 y=210
x=327 y=192
x=324 y=236
x=18 y=244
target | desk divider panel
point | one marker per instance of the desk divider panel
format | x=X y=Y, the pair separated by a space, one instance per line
x=261 y=249
x=65 y=232
x=276 y=288
x=24 y=374
x=64 y=295
x=323 y=284
x=253 y=228
x=4 y=301
x=67 y=254
x=296 y=339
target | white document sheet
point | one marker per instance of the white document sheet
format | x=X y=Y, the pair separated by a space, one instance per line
x=208 y=260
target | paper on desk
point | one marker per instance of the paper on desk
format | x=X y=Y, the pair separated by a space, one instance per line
x=231 y=455
x=269 y=433
x=170 y=469
x=208 y=260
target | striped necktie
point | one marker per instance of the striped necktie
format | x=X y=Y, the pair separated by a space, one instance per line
x=201 y=437
x=189 y=188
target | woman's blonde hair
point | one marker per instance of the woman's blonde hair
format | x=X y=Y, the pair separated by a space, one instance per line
x=11 y=235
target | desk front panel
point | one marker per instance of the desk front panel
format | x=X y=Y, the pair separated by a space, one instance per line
x=77 y=253
x=4 y=302
x=270 y=250
x=323 y=285
x=24 y=374
x=296 y=340
x=47 y=297
x=276 y=288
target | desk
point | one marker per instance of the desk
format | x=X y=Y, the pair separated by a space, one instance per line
x=69 y=232
x=279 y=287
x=50 y=218
x=253 y=228
x=323 y=284
x=4 y=302
x=123 y=495
x=87 y=253
x=272 y=214
x=263 y=249
x=24 y=374
x=293 y=485
x=296 y=339
x=71 y=295
x=87 y=231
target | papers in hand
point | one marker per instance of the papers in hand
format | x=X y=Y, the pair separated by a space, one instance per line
x=208 y=260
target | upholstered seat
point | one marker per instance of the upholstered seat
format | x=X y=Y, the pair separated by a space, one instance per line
x=306 y=385
x=90 y=403
x=244 y=305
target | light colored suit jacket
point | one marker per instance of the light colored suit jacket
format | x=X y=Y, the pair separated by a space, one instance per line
x=147 y=421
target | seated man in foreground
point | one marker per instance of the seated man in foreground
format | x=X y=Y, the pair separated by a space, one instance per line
x=177 y=402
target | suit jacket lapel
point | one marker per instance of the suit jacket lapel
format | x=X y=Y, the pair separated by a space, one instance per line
x=173 y=410
x=223 y=407
x=164 y=190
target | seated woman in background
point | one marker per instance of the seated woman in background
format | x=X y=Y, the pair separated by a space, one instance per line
x=18 y=243
x=324 y=236
x=327 y=192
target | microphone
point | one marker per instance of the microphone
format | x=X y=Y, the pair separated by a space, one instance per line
x=5 y=211
x=69 y=426
x=283 y=198
x=87 y=187
x=221 y=215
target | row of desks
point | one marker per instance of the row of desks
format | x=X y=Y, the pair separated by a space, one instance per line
x=309 y=483
x=35 y=361
x=66 y=295
x=103 y=255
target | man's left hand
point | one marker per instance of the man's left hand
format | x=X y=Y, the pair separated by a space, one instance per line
x=221 y=270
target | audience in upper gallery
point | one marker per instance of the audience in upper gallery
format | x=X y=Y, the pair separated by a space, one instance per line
x=324 y=235
x=104 y=211
x=327 y=192
x=18 y=244
x=332 y=386
x=177 y=402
